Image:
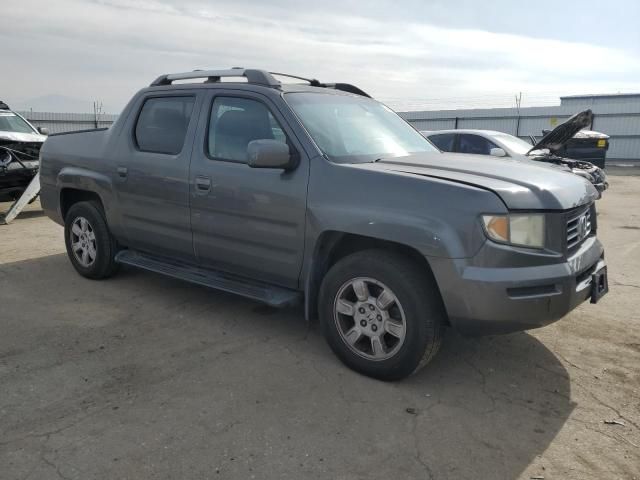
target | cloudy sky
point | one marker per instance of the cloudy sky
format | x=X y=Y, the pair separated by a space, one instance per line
x=412 y=54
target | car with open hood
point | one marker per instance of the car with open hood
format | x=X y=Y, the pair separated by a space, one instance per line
x=499 y=144
x=316 y=193
x=20 y=144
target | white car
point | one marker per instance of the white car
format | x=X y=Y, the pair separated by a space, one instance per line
x=20 y=144
x=499 y=144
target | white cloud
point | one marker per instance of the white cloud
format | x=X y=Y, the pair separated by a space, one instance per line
x=109 y=48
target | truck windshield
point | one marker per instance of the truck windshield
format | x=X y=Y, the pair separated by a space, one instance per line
x=10 y=122
x=354 y=129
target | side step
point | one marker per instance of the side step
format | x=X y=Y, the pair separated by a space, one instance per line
x=263 y=292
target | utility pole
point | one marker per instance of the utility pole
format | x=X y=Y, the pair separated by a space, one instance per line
x=518 y=103
x=97 y=111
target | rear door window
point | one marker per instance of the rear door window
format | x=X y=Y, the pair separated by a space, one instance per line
x=475 y=144
x=444 y=141
x=162 y=124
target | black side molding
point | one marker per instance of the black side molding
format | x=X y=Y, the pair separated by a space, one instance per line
x=263 y=292
x=78 y=131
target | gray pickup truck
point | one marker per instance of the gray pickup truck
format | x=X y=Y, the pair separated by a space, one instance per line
x=286 y=192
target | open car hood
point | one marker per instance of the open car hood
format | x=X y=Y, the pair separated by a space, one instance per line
x=556 y=138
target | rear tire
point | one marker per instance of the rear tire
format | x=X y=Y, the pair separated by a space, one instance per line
x=390 y=327
x=90 y=245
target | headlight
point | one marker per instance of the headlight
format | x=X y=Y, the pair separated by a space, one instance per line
x=526 y=229
x=5 y=157
x=583 y=174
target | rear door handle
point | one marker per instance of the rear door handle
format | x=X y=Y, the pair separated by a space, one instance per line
x=203 y=184
x=122 y=172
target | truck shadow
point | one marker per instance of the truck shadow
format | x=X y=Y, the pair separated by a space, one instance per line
x=484 y=408
x=500 y=399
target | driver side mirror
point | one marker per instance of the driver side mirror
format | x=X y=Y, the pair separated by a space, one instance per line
x=43 y=131
x=497 y=152
x=269 y=154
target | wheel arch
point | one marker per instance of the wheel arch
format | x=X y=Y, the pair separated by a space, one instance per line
x=332 y=246
x=80 y=184
x=70 y=196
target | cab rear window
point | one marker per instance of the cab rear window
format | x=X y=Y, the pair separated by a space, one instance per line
x=162 y=124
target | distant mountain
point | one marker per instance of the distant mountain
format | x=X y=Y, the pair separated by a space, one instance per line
x=53 y=103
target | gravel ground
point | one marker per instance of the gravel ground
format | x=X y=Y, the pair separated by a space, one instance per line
x=142 y=376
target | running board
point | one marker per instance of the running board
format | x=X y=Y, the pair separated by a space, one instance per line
x=263 y=292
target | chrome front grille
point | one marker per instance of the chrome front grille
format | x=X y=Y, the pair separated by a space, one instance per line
x=578 y=228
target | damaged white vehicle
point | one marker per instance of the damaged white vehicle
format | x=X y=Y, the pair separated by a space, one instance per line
x=20 y=144
x=499 y=144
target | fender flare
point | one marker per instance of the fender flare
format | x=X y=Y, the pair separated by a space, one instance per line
x=90 y=181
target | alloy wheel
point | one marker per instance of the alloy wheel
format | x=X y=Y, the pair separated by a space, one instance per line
x=369 y=318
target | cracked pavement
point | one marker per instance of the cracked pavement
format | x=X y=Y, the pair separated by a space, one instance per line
x=143 y=376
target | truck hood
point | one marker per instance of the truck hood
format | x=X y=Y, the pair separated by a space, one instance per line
x=522 y=185
x=556 y=138
x=22 y=137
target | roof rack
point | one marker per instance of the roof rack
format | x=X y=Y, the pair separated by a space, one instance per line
x=4 y=106
x=345 y=87
x=312 y=81
x=259 y=77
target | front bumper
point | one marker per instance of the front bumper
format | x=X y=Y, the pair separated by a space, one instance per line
x=484 y=301
x=14 y=178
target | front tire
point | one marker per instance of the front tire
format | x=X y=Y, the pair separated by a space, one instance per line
x=90 y=245
x=381 y=314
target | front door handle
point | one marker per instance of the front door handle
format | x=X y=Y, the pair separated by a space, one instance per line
x=203 y=184
x=122 y=172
